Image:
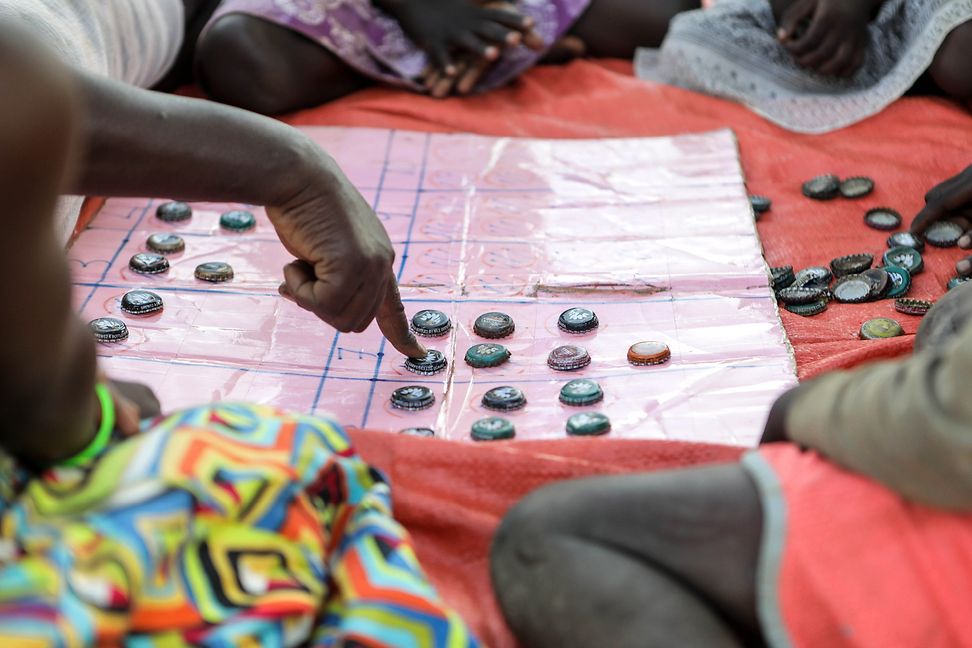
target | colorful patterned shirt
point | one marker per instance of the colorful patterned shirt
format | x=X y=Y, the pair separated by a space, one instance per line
x=225 y=525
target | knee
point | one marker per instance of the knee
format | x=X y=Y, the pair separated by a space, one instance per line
x=235 y=65
x=522 y=543
x=950 y=68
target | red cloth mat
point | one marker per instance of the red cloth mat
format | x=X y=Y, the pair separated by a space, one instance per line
x=451 y=497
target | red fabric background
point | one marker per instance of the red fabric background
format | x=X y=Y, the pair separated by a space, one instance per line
x=452 y=496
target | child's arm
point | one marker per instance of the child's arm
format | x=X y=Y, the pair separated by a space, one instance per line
x=826 y=36
x=142 y=143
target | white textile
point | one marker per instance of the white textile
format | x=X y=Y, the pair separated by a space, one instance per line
x=133 y=41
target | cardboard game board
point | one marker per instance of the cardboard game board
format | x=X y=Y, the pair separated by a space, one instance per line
x=656 y=236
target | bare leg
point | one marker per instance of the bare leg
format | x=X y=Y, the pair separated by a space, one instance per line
x=254 y=64
x=662 y=559
x=615 y=28
x=951 y=69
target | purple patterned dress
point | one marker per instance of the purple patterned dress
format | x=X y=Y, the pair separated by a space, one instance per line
x=373 y=43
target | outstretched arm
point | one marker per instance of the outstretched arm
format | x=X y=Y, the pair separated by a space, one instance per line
x=904 y=423
x=140 y=143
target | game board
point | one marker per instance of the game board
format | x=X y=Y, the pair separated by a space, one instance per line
x=655 y=235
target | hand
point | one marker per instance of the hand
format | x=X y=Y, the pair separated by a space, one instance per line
x=133 y=402
x=344 y=271
x=442 y=27
x=950 y=199
x=827 y=36
x=775 y=430
x=461 y=76
x=942 y=324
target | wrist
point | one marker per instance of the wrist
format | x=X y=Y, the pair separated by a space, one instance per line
x=776 y=427
x=102 y=429
x=301 y=166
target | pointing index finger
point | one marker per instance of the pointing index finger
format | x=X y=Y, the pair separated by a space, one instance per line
x=393 y=323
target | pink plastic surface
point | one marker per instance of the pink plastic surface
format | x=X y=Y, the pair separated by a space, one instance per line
x=655 y=235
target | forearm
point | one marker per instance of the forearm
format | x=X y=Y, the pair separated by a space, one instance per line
x=905 y=424
x=142 y=143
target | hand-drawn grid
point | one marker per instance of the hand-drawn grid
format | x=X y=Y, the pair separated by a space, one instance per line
x=655 y=235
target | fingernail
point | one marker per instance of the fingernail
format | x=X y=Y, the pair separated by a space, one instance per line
x=781 y=34
x=965 y=242
x=450 y=70
x=514 y=38
x=491 y=52
x=963 y=266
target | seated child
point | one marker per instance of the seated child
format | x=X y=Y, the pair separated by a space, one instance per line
x=814 y=66
x=273 y=56
x=851 y=526
x=218 y=526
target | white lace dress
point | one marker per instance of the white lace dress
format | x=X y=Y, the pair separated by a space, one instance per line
x=731 y=51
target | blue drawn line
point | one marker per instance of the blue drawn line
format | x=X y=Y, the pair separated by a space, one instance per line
x=421 y=380
x=398 y=276
x=361 y=353
x=213 y=365
x=660 y=297
x=111 y=263
x=180 y=289
x=337 y=334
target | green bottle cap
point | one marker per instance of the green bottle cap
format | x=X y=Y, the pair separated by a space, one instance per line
x=881 y=328
x=825 y=187
x=577 y=320
x=486 y=355
x=237 y=220
x=493 y=428
x=173 y=212
x=413 y=398
x=905 y=257
x=900 y=281
x=588 y=424
x=504 y=399
x=955 y=282
x=433 y=363
x=581 y=392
